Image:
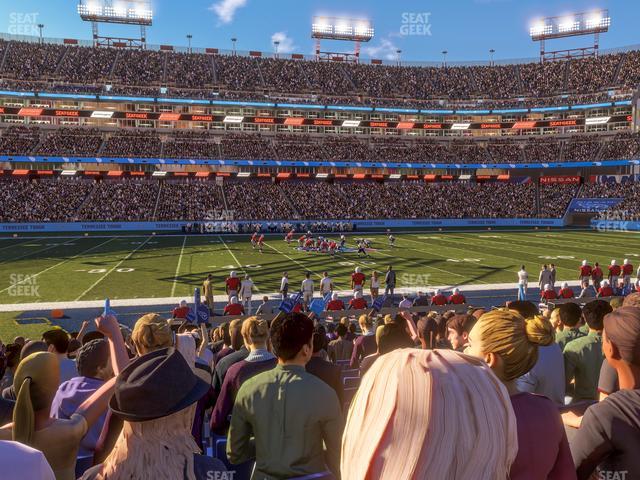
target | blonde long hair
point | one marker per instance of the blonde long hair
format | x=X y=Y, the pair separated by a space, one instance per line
x=36 y=382
x=429 y=414
x=157 y=449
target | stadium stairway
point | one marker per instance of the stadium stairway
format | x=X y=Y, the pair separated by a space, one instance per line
x=289 y=202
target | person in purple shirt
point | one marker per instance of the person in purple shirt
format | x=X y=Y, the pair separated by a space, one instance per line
x=94 y=367
x=255 y=333
x=365 y=344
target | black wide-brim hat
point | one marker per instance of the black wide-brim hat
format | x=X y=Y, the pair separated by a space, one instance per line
x=156 y=385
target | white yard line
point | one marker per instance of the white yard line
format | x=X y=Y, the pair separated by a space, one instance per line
x=31 y=277
x=15 y=245
x=114 y=267
x=175 y=277
x=235 y=259
x=294 y=261
x=38 y=251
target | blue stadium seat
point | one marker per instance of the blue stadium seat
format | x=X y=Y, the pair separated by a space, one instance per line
x=242 y=471
x=351 y=382
x=316 y=476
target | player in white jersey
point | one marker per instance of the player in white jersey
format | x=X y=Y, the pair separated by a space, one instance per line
x=246 y=292
x=392 y=241
x=326 y=286
x=523 y=282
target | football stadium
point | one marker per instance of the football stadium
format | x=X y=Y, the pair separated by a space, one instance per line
x=220 y=219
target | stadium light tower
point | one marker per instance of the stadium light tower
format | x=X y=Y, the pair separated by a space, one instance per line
x=444 y=58
x=189 y=37
x=124 y=12
x=342 y=29
x=575 y=25
x=491 y=52
x=276 y=44
x=233 y=41
x=40 y=28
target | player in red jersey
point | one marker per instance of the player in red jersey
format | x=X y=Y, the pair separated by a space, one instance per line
x=254 y=240
x=566 y=292
x=456 y=298
x=548 y=293
x=605 y=290
x=438 y=299
x=596 y=275
x=333 y=246
x=357 y=280
x=585 y=272
x=232 y=285
x=357 y=302
x=302 y=240
x=233 y=307
x=324 y=245
x=261 y=242
x=335 y=304
x=614 y=273
x=308 y=244
x=627 y=271
x=289 y=236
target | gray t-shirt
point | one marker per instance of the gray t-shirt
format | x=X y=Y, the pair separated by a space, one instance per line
x=547 y=375
x=609 y=437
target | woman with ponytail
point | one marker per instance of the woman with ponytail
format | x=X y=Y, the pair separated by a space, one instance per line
x=36 y=383
x=509 y=345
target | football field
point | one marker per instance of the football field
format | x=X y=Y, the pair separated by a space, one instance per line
x=79 y=268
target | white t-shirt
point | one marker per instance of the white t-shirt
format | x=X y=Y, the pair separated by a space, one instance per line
x=307 y=285
x=20 y=462
x=284 y=283
x=375 y=282
x=246 y=287
x=325 y=285
x=523 y=277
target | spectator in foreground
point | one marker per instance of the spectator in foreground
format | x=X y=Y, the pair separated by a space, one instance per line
x=57 y=341
x=509 y=345
x=568 y=319
x=255 y=333
x=365 y=344
x=292 y=415
x=94 y=367
x=20 y=462
x=390 y=433
x=156 y=398
x=341 y=348
x=547 y=375
x=583 y=356
x=458 y=329
x=37 y=380
x=609 y=435
x=324 y=370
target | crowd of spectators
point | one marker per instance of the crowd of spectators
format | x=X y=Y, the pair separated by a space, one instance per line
x=142 y=72
x=554 y=199
x=260 y=199
x=81 y=199
x=133 y=143
x=44 y=200
x=202 y=144
x=71 y=141
x=364 y=397
x=127 y=200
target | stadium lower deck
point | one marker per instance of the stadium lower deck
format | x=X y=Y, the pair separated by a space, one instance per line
x=41 y=273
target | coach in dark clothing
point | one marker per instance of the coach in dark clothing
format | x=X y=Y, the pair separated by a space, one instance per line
x=325 y=371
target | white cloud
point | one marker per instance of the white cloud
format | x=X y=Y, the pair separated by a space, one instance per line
x=226 y=9
x=385 y=50
x=286 y=42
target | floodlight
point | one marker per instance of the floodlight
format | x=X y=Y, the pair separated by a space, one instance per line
x=332 y=28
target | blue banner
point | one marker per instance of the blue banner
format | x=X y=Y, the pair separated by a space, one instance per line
x=312 y=163
x=379 y=303
x=200 y=312
x=592 y=205
x=317 y=306
x=288 y=304
x=107 y=308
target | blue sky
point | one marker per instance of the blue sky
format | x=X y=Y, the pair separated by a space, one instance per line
x=467 y=29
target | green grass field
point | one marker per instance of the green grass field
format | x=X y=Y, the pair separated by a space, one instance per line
x=73 y=268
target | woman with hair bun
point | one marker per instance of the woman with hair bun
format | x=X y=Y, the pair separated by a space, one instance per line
x=509 y=345
x=429 y=414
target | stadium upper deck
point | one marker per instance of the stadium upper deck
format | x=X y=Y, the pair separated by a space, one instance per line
x=74 y=68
